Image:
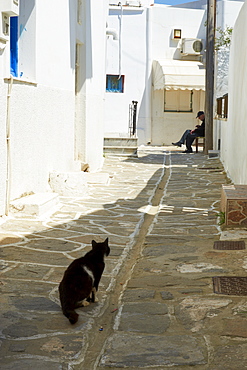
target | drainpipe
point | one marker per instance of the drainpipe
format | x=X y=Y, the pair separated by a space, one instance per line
x=120 y=41
x=148 y=89
x=112 y=32
x=8 y=172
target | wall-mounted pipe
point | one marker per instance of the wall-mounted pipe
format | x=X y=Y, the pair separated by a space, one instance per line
x=8 y=174
x=120 y=41
x=112 y=32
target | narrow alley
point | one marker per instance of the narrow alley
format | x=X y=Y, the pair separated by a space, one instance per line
x=159 y=304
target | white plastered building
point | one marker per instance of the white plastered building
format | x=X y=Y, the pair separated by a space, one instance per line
x=149 y=59
x=164 y=74
x=233 y=131
x=52 y=86
x=76 y=68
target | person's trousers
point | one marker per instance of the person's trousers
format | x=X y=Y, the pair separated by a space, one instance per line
x=188 y=138
x=184 y=136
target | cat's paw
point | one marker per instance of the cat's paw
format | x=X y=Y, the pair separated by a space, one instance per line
x=94 y=297
x=85 y=303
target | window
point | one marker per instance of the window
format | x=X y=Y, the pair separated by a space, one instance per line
x=114 y=83
x=222 y=106
x=23 y=42
x=14 y=46
x=178 y=101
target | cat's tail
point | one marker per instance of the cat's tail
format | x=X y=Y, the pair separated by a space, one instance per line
x=71 y=315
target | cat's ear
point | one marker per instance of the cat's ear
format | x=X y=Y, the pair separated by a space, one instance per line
x=94 y=243
x=106 y=241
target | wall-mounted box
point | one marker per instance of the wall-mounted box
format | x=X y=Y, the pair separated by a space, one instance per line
x=177 y=34
x=4 y=27
x=10 y=7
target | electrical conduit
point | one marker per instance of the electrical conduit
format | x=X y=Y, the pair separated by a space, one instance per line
x=120 y=41
x=8 y=165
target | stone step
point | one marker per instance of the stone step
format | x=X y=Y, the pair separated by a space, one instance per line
x=62 y=183
x=69 y=184
x=120 y=150
x=35 y=204
x=122 y=146
x=75 y=184
x=120 y=141
x=213 y=153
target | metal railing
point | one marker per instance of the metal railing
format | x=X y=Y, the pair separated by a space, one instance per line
x=132 y=118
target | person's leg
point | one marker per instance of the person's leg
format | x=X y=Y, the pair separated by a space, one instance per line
x=183 y=138
x=189 y=140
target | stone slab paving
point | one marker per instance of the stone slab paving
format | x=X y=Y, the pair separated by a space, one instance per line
x=146 y=351
x=35 y=252
x=165 y=313
x=169 y=315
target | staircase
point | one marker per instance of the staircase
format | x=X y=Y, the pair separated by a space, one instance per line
x=121 y=146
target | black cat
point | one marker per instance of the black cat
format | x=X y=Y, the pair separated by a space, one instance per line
x=81 y=280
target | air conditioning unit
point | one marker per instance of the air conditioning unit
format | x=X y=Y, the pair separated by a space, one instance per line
x=191 y=46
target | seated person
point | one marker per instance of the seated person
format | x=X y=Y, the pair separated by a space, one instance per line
x=189 y=135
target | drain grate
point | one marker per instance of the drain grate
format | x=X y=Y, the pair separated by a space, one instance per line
x=230 y=285
x=229 y=244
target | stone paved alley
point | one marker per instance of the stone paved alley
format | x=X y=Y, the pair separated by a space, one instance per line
x=157 y=307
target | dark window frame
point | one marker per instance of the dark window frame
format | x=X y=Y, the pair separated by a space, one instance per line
x=189 y=110
x=222 y=106
x=114 y=84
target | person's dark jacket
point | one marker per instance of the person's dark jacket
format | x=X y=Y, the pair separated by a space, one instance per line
x=200 y=130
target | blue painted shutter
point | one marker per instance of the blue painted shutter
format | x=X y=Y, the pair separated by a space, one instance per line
x=14 y=46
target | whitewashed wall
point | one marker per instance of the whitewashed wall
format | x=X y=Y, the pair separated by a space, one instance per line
x=90 y=100
x=168 y=127
x=4 y=72
x=227 y=12
x=165 y=19
x=234 y=130
x=3 y=148
x=135 y=65
x=146 y=36
x=42 y=99
x=43 y=104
